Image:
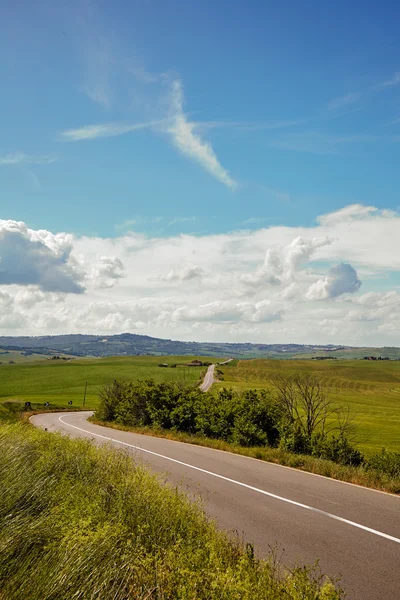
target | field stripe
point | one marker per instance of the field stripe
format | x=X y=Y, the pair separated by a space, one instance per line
x=241 y=484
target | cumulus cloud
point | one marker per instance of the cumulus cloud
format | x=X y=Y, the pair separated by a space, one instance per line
x=107 y=271
x=39 y=258
x=282 y=263
x=224 y=311
x=219 y=292
x=185 y=273
x=342 y=279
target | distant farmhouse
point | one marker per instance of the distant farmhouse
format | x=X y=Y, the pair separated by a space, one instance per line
x=195 y=363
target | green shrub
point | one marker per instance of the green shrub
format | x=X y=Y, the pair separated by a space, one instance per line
x=336 y=448
x=385 y=462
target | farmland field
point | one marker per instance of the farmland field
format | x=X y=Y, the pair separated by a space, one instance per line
x=370 y=388
x=59 y=381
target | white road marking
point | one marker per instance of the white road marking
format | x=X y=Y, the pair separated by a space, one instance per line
x=241 y=484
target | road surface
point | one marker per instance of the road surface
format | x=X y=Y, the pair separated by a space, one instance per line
x=208 y=379
x=354 y=531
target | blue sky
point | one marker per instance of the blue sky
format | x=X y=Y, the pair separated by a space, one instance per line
x=299 y=105
x=174 y=155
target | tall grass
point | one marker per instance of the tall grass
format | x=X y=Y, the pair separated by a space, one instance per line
x=82 y=522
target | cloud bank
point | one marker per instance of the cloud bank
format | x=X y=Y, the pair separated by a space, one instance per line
x=275 y=284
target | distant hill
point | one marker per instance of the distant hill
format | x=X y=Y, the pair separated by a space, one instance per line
x=132 y=344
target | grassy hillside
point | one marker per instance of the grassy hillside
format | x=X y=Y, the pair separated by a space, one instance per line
x=19 y=356
x=371 y=390
x=77 y=521
x=58 y=382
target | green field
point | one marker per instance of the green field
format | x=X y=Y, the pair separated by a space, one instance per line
x=19 y=356
x=371 y=390
x=58 y=382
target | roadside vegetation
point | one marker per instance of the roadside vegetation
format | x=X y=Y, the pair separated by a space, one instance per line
x=370 y=389
x=295 y=423
x=78 y=521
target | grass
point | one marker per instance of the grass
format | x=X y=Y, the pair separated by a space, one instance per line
x=78 y=521
x=303 y=462
x=370 y=389
x=58 y=382
x=19 y=356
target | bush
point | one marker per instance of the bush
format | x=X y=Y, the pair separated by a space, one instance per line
x=385 y=462
x=248 y=418
x=336 y=448
x=293 y=438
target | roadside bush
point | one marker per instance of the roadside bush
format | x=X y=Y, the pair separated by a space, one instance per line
x=385 y=462
x=249 y=418
x=336 y=448
x=293 y=438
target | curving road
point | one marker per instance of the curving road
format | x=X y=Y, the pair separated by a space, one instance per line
x=354 y=531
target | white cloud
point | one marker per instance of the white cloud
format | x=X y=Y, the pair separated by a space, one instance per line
x=20 y=158
x=216 y=289
x=342 y=101
x=227 y=311
x=395 y=80
x=317 y=142
x=282 y=263
x=107 y=271
x=177 y=220
x=185 y=273
x=353 y=211
x=29 y=257
x=105 y=130
x=189 y=142
x=342 y=279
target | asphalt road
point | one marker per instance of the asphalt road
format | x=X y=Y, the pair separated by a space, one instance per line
x=353 y=531
x=208 y=379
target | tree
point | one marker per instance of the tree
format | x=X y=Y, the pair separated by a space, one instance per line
x=304 y=402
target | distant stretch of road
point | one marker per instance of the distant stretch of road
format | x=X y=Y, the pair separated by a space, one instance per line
x=208 y=379
x=354 y=531
x=209 y=376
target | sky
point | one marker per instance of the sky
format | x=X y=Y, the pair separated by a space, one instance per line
x=210 y=171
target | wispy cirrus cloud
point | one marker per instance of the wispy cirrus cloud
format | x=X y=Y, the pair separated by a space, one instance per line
x=342 y=101
x=105 y=130
x=250 y=126
x=179 y=220
x=177 y=126
x=316 y=142
x=189 y=142
x=395 y=80
x=138 y=221
x=20 y=158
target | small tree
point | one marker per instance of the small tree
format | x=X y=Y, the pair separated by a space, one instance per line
x=304 y=402
x=110 y=396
